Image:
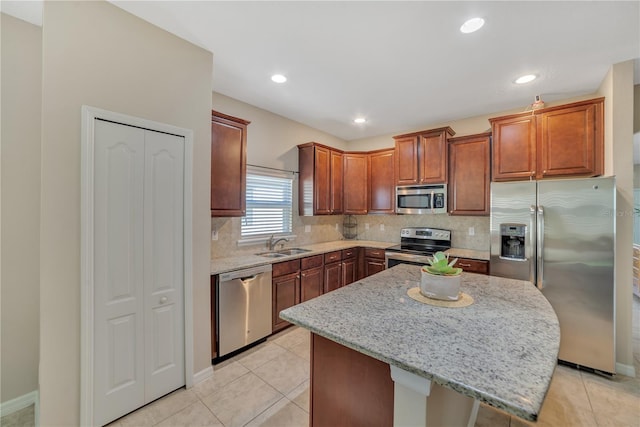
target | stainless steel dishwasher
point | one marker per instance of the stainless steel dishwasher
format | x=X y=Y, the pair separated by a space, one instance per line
x=243 y=307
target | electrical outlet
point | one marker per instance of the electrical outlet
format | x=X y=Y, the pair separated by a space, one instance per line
x=337 y=228
x=366 y=225
x=381 y=227
x=214 y=234
x=307 y=229
x=472 y=231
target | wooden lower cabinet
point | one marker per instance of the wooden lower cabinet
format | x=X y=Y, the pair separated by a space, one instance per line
x=285 y=295
x=349 y=265
x=311 y=283
x=332 y=276
x=373 y=261
x=285 y=282
x=473 y=265
x=348 y=388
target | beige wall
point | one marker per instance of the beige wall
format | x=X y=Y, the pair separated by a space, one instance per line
x=617 y=88
x=21 y=100
x=96 y=54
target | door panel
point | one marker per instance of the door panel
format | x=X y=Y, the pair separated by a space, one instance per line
x=164 y=272
x=118 y=270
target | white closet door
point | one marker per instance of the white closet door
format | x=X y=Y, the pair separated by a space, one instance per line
x=138 y=268
x=118 y=271
x=163 y=263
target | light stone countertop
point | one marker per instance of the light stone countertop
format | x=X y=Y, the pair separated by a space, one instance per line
x=223 y=265
x=469 y=253
x=501 y=350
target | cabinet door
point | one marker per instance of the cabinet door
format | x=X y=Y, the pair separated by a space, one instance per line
x=382 y=182
x=469 y=175
x=514 y=147
x=286 y=294
x=355 y=184
x=322 y=181
x=311 y=283
x=373 y=266
x=228 y=165
x=332 y=276
x=473 y=265
x=432 y=156
x=335 y=193
x=349 y=271
x=570 y=140
x=406 y=160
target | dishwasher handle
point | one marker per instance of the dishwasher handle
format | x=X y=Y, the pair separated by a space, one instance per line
x=248 y=278
x=246 y=274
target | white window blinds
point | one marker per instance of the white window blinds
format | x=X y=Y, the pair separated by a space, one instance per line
x=269 y=204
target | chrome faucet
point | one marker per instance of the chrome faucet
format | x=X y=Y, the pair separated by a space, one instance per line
x=272 y=242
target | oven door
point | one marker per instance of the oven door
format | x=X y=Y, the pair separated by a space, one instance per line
x=395 y=258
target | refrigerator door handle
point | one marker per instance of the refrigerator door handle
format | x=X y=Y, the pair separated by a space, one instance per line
x=532 y=238
x=540 y=260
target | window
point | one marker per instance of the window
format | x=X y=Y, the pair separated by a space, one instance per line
x=269 y=204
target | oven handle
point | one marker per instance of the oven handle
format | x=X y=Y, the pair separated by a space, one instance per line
x=405 y=257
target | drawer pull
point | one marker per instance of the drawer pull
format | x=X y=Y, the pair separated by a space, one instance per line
x=465 y=265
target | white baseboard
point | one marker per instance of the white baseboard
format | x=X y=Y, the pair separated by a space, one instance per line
x=198 y=377
x=627 y=370
x=20 y=402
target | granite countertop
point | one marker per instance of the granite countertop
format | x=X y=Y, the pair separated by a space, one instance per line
x=224 y=265
x=501 y=350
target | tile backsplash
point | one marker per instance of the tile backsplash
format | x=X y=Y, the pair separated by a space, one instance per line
x=384 y=228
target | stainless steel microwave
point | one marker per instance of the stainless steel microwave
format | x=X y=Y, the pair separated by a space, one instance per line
x=421 y=199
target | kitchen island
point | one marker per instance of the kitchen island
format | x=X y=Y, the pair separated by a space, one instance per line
x=371 y=336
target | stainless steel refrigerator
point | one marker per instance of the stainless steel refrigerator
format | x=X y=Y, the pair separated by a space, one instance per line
x=560 y=235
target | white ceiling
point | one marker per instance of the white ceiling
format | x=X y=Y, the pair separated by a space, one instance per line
x=402 y=65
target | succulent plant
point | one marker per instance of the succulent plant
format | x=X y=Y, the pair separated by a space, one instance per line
x=439 y=264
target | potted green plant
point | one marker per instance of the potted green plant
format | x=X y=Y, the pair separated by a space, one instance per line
x=440 y=279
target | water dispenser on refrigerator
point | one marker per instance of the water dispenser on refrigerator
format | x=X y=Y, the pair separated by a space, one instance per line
x=512 y=238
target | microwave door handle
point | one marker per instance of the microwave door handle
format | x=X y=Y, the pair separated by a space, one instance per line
x=432 y=201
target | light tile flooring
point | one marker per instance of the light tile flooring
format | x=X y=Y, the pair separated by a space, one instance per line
x=269 y=386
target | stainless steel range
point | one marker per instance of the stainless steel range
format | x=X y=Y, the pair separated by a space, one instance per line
x=416 y=244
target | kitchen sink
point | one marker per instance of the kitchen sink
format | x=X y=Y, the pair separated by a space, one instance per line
x=271 y=254
x=293 y=251
x=283 y=252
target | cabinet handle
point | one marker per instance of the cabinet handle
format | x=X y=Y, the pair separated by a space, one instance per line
x=465 y=265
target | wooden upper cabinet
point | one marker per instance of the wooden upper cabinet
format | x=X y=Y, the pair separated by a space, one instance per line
x=566 y=140
x=514 y=147
x=321 y=176
x=228 y=165
x=336 y=173
x=469 y=174
x=571 y=140
x=421 y=157
x=382 y=182
x=406 y=160
x=355 y=183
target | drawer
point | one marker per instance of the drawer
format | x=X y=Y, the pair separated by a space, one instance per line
x=473 y=265
x=311 y=262
x=286 y=267
x=374 y=253
x=349 y=253
x=332 y=256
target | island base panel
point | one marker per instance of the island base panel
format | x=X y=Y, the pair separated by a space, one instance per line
x=348 y=388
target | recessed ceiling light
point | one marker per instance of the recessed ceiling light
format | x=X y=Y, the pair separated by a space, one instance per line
x=471 y=25
x=278 y=78
x=525 y=79
x=359 y=120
